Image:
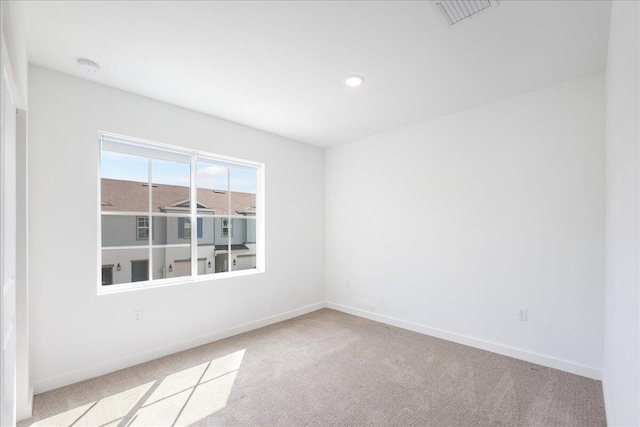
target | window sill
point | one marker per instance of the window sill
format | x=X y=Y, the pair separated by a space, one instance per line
x=161 y=283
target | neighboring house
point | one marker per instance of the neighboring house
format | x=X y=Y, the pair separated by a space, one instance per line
x=226 y=231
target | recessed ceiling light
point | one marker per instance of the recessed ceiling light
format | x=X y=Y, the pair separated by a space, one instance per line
x=353 y=81
x=88 y=66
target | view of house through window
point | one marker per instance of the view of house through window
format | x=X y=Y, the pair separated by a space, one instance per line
x=150 y=230
x=143 y=227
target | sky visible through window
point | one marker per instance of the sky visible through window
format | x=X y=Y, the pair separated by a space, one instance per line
x=209 y=175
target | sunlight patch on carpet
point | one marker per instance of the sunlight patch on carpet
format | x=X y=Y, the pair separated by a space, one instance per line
x=102 y=412
x=182 y=398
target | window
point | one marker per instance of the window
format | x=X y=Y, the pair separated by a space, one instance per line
x=184 y=206
x=227 y=227
x=142 y=232
x=184 y=228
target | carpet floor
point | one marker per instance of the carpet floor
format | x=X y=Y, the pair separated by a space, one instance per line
x=327 y=368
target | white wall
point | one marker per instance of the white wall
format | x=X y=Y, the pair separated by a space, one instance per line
x=506 y=203
x=622 y=315
x=77 y=334
x=13 y=30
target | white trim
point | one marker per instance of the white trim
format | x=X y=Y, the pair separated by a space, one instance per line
x=136 y=146
x=528 y=356
x=27 y=410
x=193 y=210
x=145 y=150
x=8 y=252
x=7 y=72
x=153 y=145
x=155 y=214
x=229 y=235
x=141 y=246
x=98 y=229
x=605 y=396
x=125 y=362
x=261 y=215
x=149 y=215
x=173 y=281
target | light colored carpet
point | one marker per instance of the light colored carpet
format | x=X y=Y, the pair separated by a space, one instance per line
x=328 y=368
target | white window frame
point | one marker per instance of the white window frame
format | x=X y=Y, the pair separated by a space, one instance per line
x=229 y=228
x=136 y=146
x=187 y=220
x=138 y=228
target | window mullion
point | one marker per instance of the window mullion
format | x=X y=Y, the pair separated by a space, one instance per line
x=230 y=229
x=193 y=204
x=150 y=172
x=259 y=218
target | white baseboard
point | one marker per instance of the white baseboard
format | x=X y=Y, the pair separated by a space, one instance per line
x=528 y=356
x=110 y=366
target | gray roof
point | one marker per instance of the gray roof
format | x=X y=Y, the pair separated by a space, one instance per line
x=130 y=196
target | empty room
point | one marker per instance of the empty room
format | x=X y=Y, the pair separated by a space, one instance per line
x=320 y=213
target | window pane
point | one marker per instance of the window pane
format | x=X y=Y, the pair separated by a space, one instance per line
x=129 y=265
x=243 y=247
x=250 y=231
x=223 y=235
x=244 y=182
x=160 y=224
x=125 y=230
x=213 y=186
x=212 y=175
x=207 y=241
x=206 y=231
x=170 y=188
x=171 y=262
x=228 y=231
x=171 y=230
x=124 y=182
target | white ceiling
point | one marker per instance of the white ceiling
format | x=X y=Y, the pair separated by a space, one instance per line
x=279 y=66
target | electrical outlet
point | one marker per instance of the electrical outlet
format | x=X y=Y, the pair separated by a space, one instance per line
x=348 y=284
x=137 y=316
x=522 y=314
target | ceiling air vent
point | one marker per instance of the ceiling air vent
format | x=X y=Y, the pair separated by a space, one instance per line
x=454 y=11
